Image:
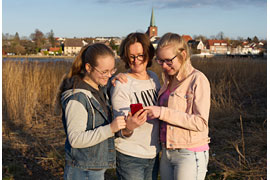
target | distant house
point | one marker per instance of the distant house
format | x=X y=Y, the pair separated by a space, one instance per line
x=72 y=46
x=198 y=45
x=90 y=40
x=217 y=46
x=107 y=40
x=102 y=39
x=236 y=51
x=54 y=50
x=251 y=48
x=187 y=37
x=117 y=40
x=154 y=40
x=260 y=44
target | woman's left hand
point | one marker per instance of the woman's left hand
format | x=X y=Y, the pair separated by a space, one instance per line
x=120 y=77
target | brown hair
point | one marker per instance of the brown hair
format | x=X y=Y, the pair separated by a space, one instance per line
x=148 y=49
x=88 y=54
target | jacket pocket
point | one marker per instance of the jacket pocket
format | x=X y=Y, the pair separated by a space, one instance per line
x=184 y=101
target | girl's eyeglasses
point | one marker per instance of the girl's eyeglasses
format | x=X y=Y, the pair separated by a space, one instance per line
x=106 y=73
x=169 y=62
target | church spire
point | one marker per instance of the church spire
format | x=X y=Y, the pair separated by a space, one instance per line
x=152 y=22
x=152 y=29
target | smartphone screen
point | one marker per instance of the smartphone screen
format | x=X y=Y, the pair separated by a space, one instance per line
x=135 y=107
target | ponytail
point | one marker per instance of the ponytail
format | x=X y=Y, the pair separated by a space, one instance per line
x=77 y=71
x=77 y=67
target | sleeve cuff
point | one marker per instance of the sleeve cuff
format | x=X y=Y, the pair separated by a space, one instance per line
x=107 y=130
x=162 y=112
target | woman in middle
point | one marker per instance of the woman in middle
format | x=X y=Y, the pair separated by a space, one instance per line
x=138 y=146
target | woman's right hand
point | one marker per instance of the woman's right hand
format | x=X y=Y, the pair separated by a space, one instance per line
x=118 y=123
x=138 y=119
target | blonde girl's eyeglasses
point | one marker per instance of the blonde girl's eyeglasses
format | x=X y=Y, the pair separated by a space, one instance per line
x=169 y=62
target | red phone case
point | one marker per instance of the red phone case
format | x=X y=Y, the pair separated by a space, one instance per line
x=135 y=107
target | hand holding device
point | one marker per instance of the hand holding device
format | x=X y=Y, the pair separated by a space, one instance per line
x=135 y=107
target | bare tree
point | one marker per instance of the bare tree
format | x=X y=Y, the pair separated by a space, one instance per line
x=19 y=49
x=220 y=35
x=50 y=36
x=200 y=37
x=38 y=38
x=29 y=46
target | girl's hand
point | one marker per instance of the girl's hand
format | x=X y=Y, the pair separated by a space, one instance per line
x=118 y=123
x=153 y=112
x=120 y=77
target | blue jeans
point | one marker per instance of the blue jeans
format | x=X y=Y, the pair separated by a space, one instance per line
x=74 y=173
x=183 y=164
x=133 y=168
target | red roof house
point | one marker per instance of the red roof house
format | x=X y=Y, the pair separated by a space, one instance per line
x=186 y=37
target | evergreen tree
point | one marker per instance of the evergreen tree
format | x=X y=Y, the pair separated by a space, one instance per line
x=255 y=39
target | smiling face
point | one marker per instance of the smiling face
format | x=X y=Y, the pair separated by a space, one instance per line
x=167 y=53
x=99 y=75
x=136 y=59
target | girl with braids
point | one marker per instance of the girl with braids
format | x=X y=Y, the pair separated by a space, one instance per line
x=86 y=114
x=183 y=111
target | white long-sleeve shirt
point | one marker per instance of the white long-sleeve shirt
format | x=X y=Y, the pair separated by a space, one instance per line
x=144 y=142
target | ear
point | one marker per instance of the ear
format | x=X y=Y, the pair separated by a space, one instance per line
x=184 y=55
x=88 y=67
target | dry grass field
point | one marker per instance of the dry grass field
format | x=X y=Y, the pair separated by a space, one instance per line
x=33 y=136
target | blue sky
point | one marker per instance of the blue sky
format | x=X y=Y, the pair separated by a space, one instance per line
x=92 y=18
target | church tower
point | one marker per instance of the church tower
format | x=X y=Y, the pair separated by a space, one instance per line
x=152 y=29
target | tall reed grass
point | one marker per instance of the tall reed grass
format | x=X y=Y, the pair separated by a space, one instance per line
x=28 y=86
x=236 y=84
x=237 y=116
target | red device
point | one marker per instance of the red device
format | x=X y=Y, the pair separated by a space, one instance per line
x=135 y=107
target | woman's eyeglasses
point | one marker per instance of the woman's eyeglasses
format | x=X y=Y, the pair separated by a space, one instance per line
x=169 y=62
x=106 y=73
x=139 y=57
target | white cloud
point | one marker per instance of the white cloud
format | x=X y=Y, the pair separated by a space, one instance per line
x=190 y=3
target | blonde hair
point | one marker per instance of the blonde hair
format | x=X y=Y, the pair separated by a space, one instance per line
x=179 y=44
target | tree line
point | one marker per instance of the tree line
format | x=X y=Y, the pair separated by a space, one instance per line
x=28 y=45
x=38 y=41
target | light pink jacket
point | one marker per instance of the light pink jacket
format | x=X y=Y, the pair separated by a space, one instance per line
x=188 y=111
